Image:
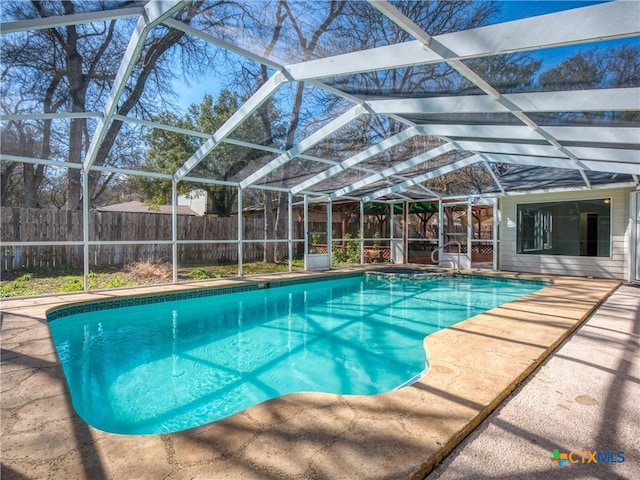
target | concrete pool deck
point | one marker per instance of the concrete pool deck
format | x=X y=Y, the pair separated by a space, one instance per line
x=474 y=366
x=584 y=397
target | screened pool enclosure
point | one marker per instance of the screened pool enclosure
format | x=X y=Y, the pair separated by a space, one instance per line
x=310 y=134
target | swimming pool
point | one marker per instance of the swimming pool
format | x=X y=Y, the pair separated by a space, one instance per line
x=165 y=364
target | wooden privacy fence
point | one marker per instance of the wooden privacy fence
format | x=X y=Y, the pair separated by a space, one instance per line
x=40 y=225
x=49 y=225
x=65 y=227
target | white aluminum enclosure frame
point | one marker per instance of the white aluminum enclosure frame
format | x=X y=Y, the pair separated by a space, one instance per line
x=585 y=148
x=317 y=261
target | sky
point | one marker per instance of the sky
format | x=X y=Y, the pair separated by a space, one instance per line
x=516 y=9
x=189 y=95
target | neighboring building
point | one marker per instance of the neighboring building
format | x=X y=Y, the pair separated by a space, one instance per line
x=140 y=207
x=197 y=201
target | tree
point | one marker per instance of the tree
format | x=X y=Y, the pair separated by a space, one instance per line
x=592 y=69
x=581 y=72
x=169 y=150
x=424 y=211
x=340 y=27
x=72 y=68
x=19 y=182
x=306 y=42
x=347 y=26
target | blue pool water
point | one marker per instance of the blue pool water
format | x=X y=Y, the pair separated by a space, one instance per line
x=171 y=365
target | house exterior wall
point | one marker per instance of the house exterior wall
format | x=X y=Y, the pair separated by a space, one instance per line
x=616 y=265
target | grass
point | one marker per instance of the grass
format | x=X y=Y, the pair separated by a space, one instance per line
x=51 y=281
x=253 y=268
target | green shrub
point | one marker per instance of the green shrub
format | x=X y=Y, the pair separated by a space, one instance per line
x=348 y=253
x=26 y=277
x=199 y=274
x=72 y=285
x=116 y=282
x=8 y=291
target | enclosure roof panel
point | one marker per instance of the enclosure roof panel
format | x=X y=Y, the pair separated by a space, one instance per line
x=361 y=99
x=520 y=179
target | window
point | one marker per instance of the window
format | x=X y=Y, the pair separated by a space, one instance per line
x=575 y=228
